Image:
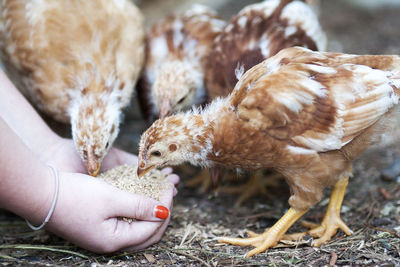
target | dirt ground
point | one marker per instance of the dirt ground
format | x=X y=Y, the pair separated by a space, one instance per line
x=371 y=207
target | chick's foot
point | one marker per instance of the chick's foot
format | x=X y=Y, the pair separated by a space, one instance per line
x=331 y=221
x=269 y=238
x=202 y=181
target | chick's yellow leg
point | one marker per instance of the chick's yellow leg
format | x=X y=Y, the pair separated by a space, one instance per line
x=202 y=181
x=331 y=221
x=269 y=238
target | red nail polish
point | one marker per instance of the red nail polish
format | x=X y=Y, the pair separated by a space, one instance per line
x=161 y=212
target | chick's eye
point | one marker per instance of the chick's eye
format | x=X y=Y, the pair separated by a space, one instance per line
x=156 y=153
x=181 y=100
x=108 y=144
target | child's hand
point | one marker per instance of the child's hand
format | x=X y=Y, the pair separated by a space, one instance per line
x=88 y=213
x=64 y=157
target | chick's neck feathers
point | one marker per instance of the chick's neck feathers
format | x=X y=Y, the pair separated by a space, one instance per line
x=206 y=121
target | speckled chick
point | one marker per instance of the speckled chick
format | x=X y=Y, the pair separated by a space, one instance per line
x=77 y=61
x=303 y=113
x=173 y=75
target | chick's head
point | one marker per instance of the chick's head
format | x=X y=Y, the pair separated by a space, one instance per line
x=178 y=86
x=184 y=137
x=164 y=143
x=95 y=119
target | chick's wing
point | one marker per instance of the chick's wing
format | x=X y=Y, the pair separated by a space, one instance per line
x=316 y=101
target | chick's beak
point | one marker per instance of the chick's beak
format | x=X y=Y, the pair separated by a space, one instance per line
x=92 y=164
x=143 y=171
x=165 y=108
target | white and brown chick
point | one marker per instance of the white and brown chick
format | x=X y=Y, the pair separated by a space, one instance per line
x=77 y=61
x=256 y=33
x=305 y=114
x=173 y=73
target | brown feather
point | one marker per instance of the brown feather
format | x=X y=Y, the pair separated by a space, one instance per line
x=253 y=35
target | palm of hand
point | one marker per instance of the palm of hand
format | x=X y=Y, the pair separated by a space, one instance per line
x=105 y=204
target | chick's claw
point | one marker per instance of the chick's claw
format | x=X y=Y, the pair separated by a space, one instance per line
x=270 y=237
x=261 y=242
x=328 y=229
x=331 y=222
x=324 y=232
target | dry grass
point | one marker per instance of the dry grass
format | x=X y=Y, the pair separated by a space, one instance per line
x=371 y=209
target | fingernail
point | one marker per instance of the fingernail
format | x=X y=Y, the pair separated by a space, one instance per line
x=161 y=212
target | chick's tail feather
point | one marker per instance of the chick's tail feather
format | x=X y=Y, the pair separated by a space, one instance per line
x=396 y=85
x=396 y=77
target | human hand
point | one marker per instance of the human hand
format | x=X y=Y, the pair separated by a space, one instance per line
x=62 y=154
x=88 y=210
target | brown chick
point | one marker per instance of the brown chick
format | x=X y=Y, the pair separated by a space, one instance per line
x=256 y=33
x=305 y=114
x=176 y=47
x=77 y=61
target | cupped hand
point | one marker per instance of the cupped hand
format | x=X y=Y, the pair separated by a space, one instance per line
x=88 y=213
x=62 y=154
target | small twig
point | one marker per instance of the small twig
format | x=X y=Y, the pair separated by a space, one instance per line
x=384 y=193
x=205 y=251
x=333 y=260
x=383 y=230
x=253 y=216
x=43 y=248
x=191 y=256
x=371 y=209
x=170 y=258
x=187 y=232
x=7 y=257
x=13 y=223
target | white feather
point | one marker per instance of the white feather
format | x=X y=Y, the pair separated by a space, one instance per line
x=301 y=15
x=239 y=71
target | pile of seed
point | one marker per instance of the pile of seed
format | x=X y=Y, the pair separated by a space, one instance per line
x=124 y=177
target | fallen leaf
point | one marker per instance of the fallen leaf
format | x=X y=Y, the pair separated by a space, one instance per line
x=150 y=258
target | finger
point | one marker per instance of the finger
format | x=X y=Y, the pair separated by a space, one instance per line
x=117 y=157
x=167 y=170
x=167 y=197
x=141 y=207
x=173 y=178
x=124 y=157
x=175 y=191
x=135 y=233
x=153 y=238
